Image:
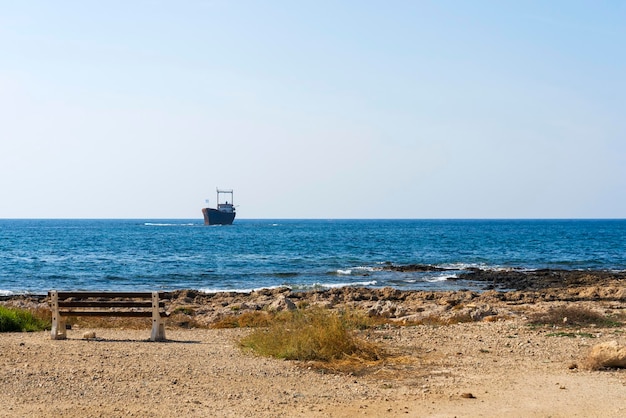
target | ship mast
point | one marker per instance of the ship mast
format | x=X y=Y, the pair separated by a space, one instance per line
x=223 y=191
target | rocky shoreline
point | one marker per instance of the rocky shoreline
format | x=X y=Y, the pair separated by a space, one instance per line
x=508 y=291
x=532 y=290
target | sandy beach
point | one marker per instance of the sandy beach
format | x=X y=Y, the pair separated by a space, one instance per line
x=492 y=364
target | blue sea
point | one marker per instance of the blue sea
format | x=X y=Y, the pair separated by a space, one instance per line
x=39 y=255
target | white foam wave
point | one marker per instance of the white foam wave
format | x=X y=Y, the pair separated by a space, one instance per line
x=166 y=224
x=250 y=290
x=359 y=269
x=441 y=278
x=294 y=287
x=462 y=266
x=434 y=279
x=5 y=292
x=367 y=268
x=481 y=266
x=338 y=285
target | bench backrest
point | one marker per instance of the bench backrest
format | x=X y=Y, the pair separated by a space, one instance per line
x=132 y=304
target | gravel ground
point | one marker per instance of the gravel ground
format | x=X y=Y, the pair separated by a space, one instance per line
x=499 y=368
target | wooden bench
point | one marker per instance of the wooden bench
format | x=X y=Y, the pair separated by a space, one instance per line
x=120 y=304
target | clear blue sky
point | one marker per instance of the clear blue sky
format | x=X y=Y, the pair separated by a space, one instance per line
x=313 y=109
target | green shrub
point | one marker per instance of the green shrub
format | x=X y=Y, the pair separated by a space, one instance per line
x=571 y=334
x=18 y=320
x=184 y=310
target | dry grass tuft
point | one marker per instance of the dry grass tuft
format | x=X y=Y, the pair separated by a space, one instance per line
x=108 y=322
x=177 y=319
x=315 y=335
x=180 y=319
x=436 y=320
x=360 y=320
x=253 y=319
x=353 y=319
x=572 y=316
x=45 y=314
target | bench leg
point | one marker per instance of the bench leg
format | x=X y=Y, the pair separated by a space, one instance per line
x=58 y=331
x=158 y=331
x=158 y=327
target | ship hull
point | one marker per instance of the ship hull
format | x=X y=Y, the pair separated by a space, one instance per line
x=216 y=217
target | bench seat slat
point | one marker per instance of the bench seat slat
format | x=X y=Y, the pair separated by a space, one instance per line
x=130 y=314
x=128 y=295
x=106 y=304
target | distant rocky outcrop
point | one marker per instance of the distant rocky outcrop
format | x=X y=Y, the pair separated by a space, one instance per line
x=541 y=279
